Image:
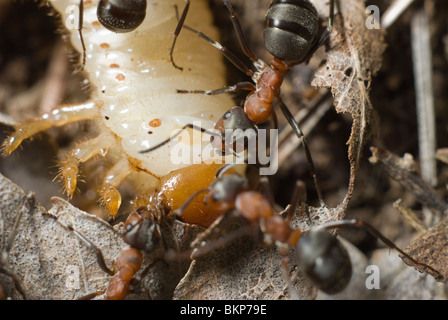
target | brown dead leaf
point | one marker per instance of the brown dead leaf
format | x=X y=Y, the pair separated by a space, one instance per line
x=431 y=248
x=400 y=282
x=49 y=259
x=52 y=262
x=355 y=55
x=242 y=269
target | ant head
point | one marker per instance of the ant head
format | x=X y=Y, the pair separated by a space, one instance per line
x=141 y=230
x=236 y=123
x=121 y=16
x=291 y=29
x=226 y=188
x=324 y=261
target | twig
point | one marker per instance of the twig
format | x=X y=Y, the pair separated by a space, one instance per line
x=421 y=52
x=394 y=11
x=425 y=194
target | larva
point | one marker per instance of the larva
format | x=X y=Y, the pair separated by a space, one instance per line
x=134 y=102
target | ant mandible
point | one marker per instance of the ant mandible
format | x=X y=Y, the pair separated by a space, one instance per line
x=292 y=35
x=319 y=254
x=123 y=16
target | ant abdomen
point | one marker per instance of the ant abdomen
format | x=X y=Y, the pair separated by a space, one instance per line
x=324 y=261
x=121 y=15
x=291 y=29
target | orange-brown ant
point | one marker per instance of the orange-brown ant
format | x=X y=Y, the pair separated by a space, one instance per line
x=319 y=254
x=123 y=16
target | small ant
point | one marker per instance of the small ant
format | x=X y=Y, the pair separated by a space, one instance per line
x=124 y=16
x=319 y=254
x=143 y=232
x=29 y=204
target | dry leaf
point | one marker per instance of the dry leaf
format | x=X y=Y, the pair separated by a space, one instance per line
x=242 y=269
x=399 y=282
x=355 y=55
x=53 y=263
x=431 y=248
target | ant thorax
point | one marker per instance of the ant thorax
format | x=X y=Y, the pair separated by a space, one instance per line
x=133 y=83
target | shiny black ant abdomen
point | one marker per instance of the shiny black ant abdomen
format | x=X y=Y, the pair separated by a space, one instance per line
x=323 y=260
x=294 y=23
x=121 y=15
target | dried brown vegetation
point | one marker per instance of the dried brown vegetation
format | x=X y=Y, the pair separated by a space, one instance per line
x=366 y=139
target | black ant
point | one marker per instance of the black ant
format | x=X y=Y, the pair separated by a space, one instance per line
x=29 y=204
x=123 y=16
x=320 y=255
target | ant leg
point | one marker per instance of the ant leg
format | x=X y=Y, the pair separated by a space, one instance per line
x=286 y=267
x=293 y=123
x=178 y=29
x=324 y=35
x=240 y=86
x=224 y=51
x=178 y=212
x=298 y=199
x=266 y=190
x=29 y=204
x=239 y=33
x=80 y=25
x=17 y=281
x=99 y=254
x=375 y=232
x=56 y=118
x=187 y=126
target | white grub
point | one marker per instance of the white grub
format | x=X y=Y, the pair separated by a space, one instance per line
x=133 y=82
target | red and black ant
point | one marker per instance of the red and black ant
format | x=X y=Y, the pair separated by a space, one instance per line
x=320 y=255
x=146 y=231
x=292 y=34
x=6 y=245
x=123 y=16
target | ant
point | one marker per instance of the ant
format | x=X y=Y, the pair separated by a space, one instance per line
x=319 y=254
x=29 y=204
x=292 y=35
x=124 y=16
x=145 y=231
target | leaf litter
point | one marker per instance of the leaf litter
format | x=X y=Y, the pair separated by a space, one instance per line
x=354 y=56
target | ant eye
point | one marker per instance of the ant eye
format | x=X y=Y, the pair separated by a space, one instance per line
x=324 y=261
x=227 y=115
x=129 y=227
